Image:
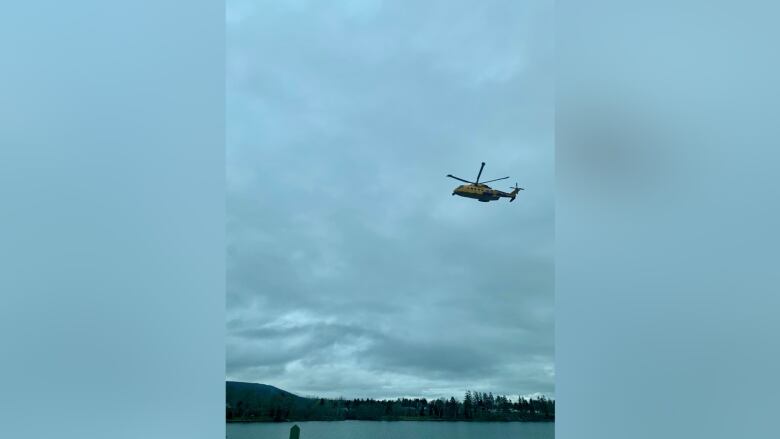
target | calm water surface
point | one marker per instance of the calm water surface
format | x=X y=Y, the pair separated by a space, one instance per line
x=395 y=430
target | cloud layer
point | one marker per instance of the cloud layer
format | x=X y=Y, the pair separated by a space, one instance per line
x=352 y=271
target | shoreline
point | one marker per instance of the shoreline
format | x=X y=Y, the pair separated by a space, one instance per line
x=253 y=421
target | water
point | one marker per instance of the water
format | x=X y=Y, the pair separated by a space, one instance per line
x=394 y=430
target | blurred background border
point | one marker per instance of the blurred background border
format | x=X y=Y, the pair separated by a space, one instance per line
x=112 y=238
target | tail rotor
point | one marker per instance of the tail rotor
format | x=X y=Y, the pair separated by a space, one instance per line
x=515 y=190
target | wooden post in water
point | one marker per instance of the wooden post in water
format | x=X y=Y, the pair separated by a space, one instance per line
x=295 y=432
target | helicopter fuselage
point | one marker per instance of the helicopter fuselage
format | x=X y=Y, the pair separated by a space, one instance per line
x=479 y=192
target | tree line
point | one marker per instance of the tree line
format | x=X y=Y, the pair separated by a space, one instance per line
x=475 y=406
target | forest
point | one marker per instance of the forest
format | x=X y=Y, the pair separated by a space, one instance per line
x=474 y=406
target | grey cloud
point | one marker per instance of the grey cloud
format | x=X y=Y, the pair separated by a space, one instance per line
x=351 y=270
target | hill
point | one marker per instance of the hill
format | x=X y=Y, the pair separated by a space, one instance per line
x=261 y=401
x=255 y=393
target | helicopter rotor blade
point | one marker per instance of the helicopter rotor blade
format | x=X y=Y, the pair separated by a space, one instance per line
x=456 y=178
x=503 y=178
x=480 y=172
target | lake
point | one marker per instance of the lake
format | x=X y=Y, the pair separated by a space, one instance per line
x=394 y=430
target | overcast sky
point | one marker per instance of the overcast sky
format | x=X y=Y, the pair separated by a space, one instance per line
x=352 y=271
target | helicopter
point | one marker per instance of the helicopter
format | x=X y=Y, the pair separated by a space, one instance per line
x=481 y=191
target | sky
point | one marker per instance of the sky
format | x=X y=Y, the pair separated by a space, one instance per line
x=351 y=269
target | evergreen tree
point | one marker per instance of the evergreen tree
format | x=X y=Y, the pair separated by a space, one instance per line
x=468 y=403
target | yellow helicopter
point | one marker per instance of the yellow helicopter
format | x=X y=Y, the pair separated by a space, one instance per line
x=481 y=191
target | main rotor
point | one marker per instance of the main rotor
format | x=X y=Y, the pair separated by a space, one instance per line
x=478 y=175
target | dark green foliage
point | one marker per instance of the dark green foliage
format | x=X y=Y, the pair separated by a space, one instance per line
x=263 y=403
